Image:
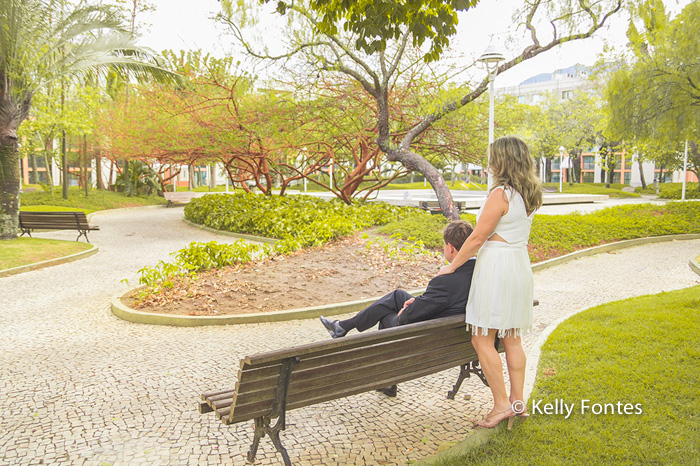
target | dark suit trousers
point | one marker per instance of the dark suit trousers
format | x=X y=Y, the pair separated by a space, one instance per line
x=384 y=311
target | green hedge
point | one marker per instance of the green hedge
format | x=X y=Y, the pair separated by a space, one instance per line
x=675 y=190
x=556 y=235
x=297 y=221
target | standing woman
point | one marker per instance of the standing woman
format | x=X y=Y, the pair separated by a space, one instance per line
x=500 y=297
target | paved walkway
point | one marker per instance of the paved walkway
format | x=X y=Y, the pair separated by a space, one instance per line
x=79 y=386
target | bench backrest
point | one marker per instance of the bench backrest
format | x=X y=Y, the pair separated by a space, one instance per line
x=179 y=195
x=53 y=220
x=328 y=370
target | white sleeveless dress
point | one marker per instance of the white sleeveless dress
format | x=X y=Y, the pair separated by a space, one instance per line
x=501 y=291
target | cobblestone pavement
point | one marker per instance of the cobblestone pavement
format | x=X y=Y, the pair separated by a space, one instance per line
x=79 y=386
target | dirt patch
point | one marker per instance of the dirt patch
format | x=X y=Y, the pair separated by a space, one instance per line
x=362 y=266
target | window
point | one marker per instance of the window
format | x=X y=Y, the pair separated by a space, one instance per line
x=521 y=99
x=555 y=163
x=567 y=95
x=628 y=177
x=589 y=162
x=615 y=178
x=536 y=99
x=555 y=177
x=588 y=177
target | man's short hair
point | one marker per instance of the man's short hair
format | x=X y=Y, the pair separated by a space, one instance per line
x=456 y=233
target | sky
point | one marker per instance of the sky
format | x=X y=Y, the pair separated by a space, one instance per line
x=187 y=24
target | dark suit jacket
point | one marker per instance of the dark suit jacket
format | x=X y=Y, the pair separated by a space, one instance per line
x=446 y=295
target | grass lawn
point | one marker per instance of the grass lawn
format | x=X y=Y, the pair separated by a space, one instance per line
x=642 y=352
x=95 y=200
x=52 y=208
x=614 y=191
x=24 y=251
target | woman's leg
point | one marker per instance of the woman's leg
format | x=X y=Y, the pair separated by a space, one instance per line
x=491 y=364
x=516 y=360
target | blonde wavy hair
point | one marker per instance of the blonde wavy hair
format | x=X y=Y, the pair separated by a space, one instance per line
x=512 y=167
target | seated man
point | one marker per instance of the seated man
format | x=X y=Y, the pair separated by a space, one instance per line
x=446 y=295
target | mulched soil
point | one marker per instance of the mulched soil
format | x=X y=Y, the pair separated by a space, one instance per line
x=349 y=269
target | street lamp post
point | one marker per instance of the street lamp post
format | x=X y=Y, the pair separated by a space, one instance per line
x=562 y=149
x=491 y=57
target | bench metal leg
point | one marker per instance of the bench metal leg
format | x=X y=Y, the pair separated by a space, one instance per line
x=463 y=374
x=465 y=370
x=82 y=233
x=259 y=433
x=262 y=428
x=279 y=411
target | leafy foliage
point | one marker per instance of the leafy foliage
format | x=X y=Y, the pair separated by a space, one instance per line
x=289 y=217
x=556 y=235
x=654 y=99
x=373 y=22
x=674 y=191
x=298 y=221
x=143 y=179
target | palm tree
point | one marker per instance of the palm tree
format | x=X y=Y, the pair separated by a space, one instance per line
x=40 y=42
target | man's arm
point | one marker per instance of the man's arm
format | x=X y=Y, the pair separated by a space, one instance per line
x=429 y=304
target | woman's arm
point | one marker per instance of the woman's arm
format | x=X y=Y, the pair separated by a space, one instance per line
x=496 y=207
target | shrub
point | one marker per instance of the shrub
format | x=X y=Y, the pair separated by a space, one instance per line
x=675 y=190
x=289 y=216
x=297 y=221
x=556 y=235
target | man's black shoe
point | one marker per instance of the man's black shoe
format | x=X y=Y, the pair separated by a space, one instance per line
x=389 y=391
x=333 y=327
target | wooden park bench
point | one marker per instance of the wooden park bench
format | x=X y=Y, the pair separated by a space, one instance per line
x=272 y=383
x=29 y=221
x=434 y=206
x=180 y=196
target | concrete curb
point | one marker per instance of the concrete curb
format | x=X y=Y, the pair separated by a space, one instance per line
x=51 y=262
x=259 y=239
x=126 y=313
x=694 y=265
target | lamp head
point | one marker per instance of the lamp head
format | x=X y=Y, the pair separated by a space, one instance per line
x=491 y=55
x=562 y=149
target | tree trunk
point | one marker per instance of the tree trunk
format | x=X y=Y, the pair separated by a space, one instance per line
x=35 y=173
x=413 y=161
x=212 y=176
x=9 y=182
x=64 y=162
x=127 y=178
x=193 y=178
x=641 y=173
x=49 y=167
x=85 y=165
x=98 y=172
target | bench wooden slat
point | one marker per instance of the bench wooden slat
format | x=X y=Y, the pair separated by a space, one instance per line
x=314 y=369
x=353 y=341
x=297 y=401
x=351 y=374
x=255 y=379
